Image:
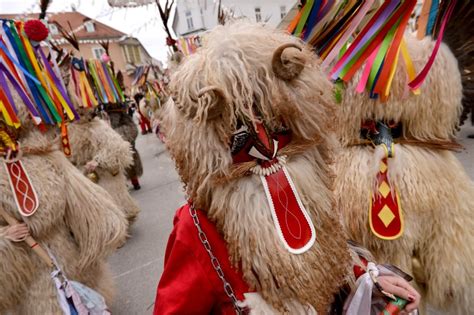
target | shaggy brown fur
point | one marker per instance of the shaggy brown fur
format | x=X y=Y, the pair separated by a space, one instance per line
x=78 y=223
x=124 y=126
x=436 y=194
x=95 y=140
x=237 y=60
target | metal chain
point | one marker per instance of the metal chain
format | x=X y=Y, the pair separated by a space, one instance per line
x=215 y=262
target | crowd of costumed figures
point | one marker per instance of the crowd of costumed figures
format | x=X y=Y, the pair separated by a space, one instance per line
x=288 y=145
x=68 y=148
x=317 y=162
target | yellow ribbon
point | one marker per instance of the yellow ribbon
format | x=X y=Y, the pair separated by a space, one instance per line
x=409 y=64
x=7 y=140
x=6 y=116
x=391 y=75
x=60 y=97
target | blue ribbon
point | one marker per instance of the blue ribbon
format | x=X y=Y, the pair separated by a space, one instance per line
x=432 y=18
x=313 y=18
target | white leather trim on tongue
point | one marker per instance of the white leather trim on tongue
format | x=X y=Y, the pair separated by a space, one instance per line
x=256 y=154
x=258 y=306
x=302 y=208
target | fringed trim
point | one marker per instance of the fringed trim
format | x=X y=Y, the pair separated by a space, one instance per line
x=450 y=145
x=271 y=169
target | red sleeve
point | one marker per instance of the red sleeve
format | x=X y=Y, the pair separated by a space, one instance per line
x=184 y=287
x=360 y=270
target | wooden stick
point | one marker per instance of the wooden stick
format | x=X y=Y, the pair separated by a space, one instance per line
x=29 y=240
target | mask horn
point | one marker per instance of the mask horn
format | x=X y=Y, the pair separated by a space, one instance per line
x=289 y=65
x=217 y=103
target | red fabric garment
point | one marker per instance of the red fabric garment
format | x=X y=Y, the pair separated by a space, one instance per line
x=145 y=125
x=360 y=270
x=189 y=284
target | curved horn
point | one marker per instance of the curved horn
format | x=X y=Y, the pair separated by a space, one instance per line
x=289 y=68
x=216 y=107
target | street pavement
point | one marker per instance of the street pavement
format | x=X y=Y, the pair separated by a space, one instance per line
x=137 y=266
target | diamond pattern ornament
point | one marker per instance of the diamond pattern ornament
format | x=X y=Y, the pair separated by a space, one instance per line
x=385 y=213
x=384 y=189
x=65 y=140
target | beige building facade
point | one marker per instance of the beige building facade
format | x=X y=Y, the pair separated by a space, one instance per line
x=126 y=52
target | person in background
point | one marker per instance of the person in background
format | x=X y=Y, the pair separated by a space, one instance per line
x=145 y=125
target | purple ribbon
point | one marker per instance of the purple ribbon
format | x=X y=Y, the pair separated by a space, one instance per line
x=57 y=82
x=20 y=91
x=109 y=80
x=3 y=83
x=380 y=21
x=5 y=50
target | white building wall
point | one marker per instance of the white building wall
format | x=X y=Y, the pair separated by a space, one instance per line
x=204 y=13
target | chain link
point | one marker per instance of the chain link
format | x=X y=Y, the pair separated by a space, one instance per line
x=215 y=262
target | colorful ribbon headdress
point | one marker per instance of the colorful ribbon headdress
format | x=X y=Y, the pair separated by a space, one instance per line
x=25 y=68
x=349 y=34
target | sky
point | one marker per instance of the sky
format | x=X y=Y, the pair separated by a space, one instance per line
x=143 y=23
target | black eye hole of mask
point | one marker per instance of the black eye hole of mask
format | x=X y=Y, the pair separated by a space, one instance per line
x=395 y=128
x=239 y=138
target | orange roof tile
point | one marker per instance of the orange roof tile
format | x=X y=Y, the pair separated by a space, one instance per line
x=76 y=20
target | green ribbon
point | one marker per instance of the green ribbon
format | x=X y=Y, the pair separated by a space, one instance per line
x=381 y=56
x=304 y=17
x=45 y=96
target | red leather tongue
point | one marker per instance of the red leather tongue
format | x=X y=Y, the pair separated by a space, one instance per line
x=291 y=219
x=23 y=191
x=385 y=213
x=264 y=137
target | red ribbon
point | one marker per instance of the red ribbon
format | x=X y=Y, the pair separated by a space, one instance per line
x=420 y=78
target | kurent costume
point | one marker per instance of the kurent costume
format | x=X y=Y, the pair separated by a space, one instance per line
x=96 y=149
x=76 y=222
x=249 y=127
x=94 y=141
x=143 y=109
x=123 y=124
x=149 y=95
x=402 y=193
x=97 y=84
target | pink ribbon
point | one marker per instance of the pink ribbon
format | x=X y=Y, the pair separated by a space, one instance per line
x=420 y=78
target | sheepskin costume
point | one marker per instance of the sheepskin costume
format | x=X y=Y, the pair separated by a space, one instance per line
x=437 y=243
x=123 y=124
x=92 y=139
x=78 y=222
x=232 y=83
x=148 y=106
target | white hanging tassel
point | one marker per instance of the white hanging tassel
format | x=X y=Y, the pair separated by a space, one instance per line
x=360 y=301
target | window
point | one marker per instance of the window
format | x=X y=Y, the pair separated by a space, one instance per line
x=97 y=52
x=282 y=11
x=89 y=25
x=132 y=54
x=189 y=20
x=258 y=15
x=53 y=29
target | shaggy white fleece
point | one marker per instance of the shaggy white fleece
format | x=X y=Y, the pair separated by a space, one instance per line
x=436 y=194
x=96 y=141
x=79 y=223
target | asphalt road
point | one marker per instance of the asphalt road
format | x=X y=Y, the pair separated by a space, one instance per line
x=137 y=265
